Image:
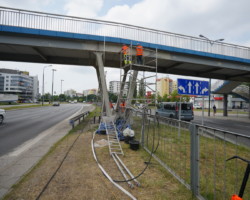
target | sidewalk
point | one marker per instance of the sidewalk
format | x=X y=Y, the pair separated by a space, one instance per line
x=231 y=116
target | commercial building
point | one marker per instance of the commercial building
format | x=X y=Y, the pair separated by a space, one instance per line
x=71 y=93
x=90 y=91
x=19 y=83
x=164 y=86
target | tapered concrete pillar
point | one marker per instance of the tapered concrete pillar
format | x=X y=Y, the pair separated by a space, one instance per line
x=102 y=82
x=132 y=85
x=225 y=105
x=99 y=83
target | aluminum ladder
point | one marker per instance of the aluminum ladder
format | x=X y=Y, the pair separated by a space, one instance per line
x=112 y=135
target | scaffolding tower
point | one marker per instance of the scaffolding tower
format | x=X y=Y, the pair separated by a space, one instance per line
x=134 y=75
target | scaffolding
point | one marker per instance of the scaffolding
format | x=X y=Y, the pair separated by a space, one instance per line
x=134 y=75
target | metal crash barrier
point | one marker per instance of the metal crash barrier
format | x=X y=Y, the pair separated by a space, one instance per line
x=78 y=118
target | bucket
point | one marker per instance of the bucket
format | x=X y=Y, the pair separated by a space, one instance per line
x=127 y=139
x=134 y=144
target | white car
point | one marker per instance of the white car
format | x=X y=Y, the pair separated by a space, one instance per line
x=56 y=103
x=196 y=106
x=2 y=115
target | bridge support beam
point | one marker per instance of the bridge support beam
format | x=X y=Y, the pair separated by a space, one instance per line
x=225 y=105
x=99 y=84
x=132 y=85
x=102 y=82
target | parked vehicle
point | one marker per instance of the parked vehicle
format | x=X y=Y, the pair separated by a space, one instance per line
x=55 y=103
x=2 y=115
x=196 y=106
x=171 y=110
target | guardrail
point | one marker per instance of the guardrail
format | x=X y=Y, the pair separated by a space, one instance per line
x=196 y=155
x=69 y=24
x=78 y=118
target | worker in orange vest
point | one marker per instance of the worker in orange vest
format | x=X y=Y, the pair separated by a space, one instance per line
x=139 y=53
x=123 y=105
x=236 y=197
x=126 y=56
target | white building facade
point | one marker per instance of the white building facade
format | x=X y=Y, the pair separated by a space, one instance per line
x=115 y=86
x=19 y=83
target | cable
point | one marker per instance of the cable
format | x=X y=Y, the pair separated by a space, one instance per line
x=147 y=162
x=47 y=184
x=105 y=173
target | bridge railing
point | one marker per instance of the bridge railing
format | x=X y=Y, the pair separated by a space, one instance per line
x=196 y=155
x=61 y=23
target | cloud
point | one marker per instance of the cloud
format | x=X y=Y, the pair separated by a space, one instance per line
x=83 y=8
x=215 y=19
x=37 y=5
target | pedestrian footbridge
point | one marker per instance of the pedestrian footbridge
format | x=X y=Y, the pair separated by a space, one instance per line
x=29 y=36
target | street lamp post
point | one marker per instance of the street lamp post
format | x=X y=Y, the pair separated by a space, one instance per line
x=211 y=43
x=52 y=98
x=61 y=85
x=61 y=88
x=43 y=82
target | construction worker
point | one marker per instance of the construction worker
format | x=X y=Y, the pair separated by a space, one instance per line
x=122 y=106
x=126 y=56
x=139 y=54
x=236 y=197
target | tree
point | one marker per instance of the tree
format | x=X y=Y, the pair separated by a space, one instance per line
x=175 y=96
x=142 y=89
x=112 y=97
x=91 y=97
x=165 y=98
x=62 y=97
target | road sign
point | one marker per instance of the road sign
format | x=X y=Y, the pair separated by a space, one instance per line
x=193 y=87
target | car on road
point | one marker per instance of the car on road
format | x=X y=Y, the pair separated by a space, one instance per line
x=172 y=110
x=2 y=115
x=56 y=103
x=196 y=106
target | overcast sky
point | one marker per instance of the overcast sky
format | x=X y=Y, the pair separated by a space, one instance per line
x=215 y=19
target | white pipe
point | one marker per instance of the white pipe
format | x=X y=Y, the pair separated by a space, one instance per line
x=130 y=174
x=106 y=174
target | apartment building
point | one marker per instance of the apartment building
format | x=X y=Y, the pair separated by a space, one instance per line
x=164 y=86
x=115 y=86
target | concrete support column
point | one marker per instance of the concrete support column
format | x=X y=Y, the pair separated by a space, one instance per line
x=99 y=83
x=122 y=88
x=132 y=86
x=225 y=105
x=102 y=82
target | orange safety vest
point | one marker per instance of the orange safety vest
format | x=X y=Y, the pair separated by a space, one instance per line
x=236 y=197
x=139 y=50
x=125 y=50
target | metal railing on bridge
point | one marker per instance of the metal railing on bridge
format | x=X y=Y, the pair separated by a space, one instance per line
x=196 y=155
x=54 y=22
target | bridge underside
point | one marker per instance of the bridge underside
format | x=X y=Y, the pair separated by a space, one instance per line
x=58 y=50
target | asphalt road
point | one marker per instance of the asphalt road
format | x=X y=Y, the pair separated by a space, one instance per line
x=230 y=125
x=22 y=125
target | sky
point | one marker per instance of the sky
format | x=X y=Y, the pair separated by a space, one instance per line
x=214 y=19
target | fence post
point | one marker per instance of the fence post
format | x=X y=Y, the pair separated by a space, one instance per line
x=194 y=158
x=143 y=127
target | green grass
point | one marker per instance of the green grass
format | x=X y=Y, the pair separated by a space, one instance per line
x=218 y=179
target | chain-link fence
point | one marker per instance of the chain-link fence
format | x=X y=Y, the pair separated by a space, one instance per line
x=196 y=155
